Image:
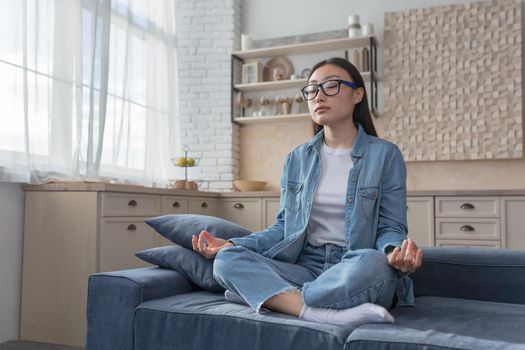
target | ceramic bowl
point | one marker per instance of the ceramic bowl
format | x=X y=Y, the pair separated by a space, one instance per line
x=247 y=185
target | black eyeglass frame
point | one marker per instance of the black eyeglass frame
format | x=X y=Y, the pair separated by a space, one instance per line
x=320 y=87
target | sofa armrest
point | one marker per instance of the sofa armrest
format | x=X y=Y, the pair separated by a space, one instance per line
x=113 y=297
x=472 y=273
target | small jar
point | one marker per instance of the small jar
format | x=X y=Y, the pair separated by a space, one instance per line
x=354 y=28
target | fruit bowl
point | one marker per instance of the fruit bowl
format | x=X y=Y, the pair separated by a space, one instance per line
x=248 y=185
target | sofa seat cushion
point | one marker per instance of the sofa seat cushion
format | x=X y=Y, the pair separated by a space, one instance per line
x=204 y=320
x=446 y=323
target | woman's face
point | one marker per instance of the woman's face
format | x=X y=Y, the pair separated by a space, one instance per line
x=332 y=110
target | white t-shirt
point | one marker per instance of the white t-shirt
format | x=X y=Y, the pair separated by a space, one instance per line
x=327 y=219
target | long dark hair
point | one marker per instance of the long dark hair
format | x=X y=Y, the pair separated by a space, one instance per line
x=361 y=113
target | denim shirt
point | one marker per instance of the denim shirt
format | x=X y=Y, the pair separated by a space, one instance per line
x=375 y=213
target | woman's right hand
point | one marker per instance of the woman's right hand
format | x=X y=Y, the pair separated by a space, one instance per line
x=212 y=247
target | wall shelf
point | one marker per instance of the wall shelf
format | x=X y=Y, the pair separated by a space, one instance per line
x=240 y=57
x=273 y=119
x=287 y=84
x=310 y=47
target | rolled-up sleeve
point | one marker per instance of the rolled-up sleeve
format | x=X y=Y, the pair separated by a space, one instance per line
x=392 y=222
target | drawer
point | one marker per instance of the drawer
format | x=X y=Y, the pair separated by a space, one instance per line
x=203 y=206
x=245 y=212
x=467 y=207
x=468 y=228
x=174 y=205
x=468 y=243
x=125 y=204
x=120 y=238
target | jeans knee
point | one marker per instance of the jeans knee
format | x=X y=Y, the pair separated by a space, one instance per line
x=225 y=260
x=374 y=260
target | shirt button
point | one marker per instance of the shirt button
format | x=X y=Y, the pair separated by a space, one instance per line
x=350 y=200
x=347 y=221
x=353 y=178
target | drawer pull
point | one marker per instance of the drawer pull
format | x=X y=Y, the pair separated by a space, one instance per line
x=204 y=205
x=132 y=227
x=176 y=204
x=467 y=206
x=238 y=206
x=132 y=203
x=467 y=228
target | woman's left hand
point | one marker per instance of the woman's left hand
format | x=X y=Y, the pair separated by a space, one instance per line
x=408 y=258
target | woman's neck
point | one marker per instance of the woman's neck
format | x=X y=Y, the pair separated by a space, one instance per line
x=341 y=137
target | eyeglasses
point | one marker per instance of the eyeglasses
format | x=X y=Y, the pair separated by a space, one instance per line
x=329 y=87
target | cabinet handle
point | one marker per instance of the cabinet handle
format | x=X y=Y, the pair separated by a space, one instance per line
x=132 y=203
x=467 y=228
x=467 y=206
x=204 y=205
x=132 y=227
x=176 y=205
x=238 y=206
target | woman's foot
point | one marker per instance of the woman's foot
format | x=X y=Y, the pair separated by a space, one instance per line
x=354 y=316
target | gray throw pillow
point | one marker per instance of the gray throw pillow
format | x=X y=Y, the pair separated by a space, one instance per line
x=179 y=228
x=196 y=268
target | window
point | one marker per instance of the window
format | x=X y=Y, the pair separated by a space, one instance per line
x=89 y=90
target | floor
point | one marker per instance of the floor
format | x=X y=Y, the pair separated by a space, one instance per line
x=28 y=345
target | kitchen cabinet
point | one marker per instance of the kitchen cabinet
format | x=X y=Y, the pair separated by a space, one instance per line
x=71 y=234
x=74 y=230
x=473 y=221
x=513 y=221
x=420 y=217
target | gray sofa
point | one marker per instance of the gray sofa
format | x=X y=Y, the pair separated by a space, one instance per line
x=465 y=299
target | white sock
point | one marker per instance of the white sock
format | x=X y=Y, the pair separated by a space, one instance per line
x=233 y=297
x=354 y=316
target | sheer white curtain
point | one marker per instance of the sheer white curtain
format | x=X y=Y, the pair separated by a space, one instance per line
x=88 y=91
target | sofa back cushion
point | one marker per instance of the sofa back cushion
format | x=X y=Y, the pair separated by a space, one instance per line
x=472 y=273
x=179 y=228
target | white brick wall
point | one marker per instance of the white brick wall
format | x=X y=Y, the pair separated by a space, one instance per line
x=207 y=32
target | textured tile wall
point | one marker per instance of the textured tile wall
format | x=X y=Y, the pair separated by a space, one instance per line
x=453 y=81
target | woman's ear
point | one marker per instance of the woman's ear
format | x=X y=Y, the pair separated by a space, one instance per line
x=358 y=95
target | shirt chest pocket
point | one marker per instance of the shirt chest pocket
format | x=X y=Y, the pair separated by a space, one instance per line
x=294 y=192
x=368 y=197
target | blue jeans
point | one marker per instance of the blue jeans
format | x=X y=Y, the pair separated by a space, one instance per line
x=328 y=276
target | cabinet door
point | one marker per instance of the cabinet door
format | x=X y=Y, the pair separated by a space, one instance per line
x=203 y=206
x=60 y=236
x=513 y=222
x=120 y=238
x=270 y=211
x=246 y=212
x=420 y=216
x=174 y=205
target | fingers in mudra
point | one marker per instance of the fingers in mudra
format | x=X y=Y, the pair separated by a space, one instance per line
x=408 y=258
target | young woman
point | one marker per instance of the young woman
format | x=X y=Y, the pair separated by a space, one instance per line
x=338 y=252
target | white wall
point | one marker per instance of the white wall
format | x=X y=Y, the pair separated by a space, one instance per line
x=265 y=19
x=11 y=235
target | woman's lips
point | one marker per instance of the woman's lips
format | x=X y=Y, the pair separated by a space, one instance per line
x=321 y=109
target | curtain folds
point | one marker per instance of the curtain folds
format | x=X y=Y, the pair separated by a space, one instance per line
x=88 y=91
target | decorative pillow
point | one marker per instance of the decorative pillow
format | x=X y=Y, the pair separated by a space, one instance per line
x=191 y=264
x=179 y=228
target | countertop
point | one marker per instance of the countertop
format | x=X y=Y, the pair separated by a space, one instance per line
x=110 y=187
